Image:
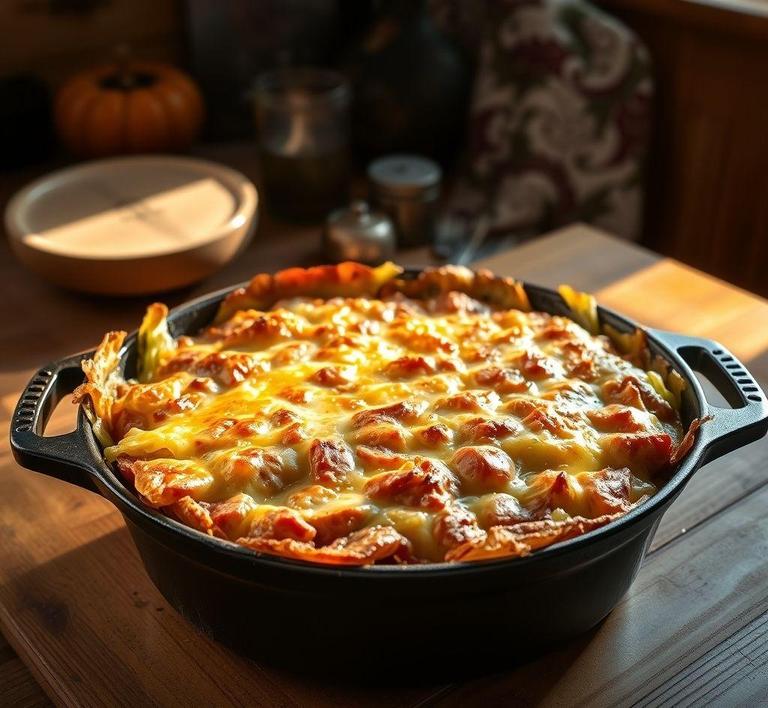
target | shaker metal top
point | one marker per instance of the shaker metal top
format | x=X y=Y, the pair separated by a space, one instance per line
x=404 y=175
x=357 y=233
x=359 y=219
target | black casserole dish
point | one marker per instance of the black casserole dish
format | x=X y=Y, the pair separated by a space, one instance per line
x=450 y=615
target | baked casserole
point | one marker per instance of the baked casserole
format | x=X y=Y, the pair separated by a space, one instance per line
x=350 y=415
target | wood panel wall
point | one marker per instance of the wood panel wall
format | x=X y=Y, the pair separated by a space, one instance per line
x=54 y=38
x=707 y=194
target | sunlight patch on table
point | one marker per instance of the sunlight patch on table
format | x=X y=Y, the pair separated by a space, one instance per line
x=671 y=296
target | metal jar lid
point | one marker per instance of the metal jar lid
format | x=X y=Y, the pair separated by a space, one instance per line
x=405 y=176
x=356 y=233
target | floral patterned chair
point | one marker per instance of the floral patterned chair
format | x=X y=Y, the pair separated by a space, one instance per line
x=559 y=121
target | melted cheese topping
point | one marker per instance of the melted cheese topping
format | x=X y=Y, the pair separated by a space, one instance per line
x=358 y=430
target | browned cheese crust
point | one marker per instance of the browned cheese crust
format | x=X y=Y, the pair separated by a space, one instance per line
x=348 y=415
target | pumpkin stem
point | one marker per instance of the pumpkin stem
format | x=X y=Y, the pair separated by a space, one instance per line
x=125 y=76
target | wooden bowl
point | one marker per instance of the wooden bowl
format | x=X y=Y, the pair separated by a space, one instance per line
x=133 y=225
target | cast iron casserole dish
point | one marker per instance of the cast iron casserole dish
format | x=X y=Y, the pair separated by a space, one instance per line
x=351 y=618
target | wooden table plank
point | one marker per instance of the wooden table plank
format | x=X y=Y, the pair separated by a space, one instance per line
x=734 y=673
x=61 y=556
x=18 y=687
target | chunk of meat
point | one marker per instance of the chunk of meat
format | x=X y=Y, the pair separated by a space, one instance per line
x=455 y=525
x=164 y=481
x=345 y=348
x=264 y=468
x=145 y=405
x=522 y=539
x=579 y=361
x=449 y=364
x=557 y=328
x=427 y=483
x=364 y=547
x=226 y=368
x=651 y=451
x=474 y=401
x=552 y=489
x=293 y=352
x=407 y=367
x=424 y=342
x=538 y=416
x=475 y=353
x=688 y=439
x=538 y=366
x=500 y=510
x=193 y=514
x=615 y=418
x=282 y=417
x=404 y=412
x=373 y=458
x=299 y=395
x=454 y=301
x=256 y=328
x=631 y=391
x=607 y=491
x=330 y=376
x=187 y=402
x=330 y=461
x=390 y=436
x=502 y=380
x=486 y=430
x=333 y=523
x=435 y=435
x=294 y=434
x=232 y=515
x=226 y=432
x=483 y=468
x=279 y=523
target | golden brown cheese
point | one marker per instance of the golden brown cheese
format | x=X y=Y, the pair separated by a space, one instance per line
x=355 y=430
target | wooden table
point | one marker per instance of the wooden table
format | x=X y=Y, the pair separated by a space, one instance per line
x=79 y=611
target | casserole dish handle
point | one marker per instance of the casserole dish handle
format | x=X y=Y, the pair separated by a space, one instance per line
x=60 y=456
x=747 y=419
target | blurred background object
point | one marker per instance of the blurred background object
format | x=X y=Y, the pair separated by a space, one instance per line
x=559 y=122
x=26 y=128
x=303 y=131
x=232 y=42
x=407 y=187
x=355 y=233
x=538 y=112
x=132 y=225
x=411 y=84
x=129 y=106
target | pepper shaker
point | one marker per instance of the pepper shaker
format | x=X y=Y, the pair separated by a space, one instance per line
x=407 y=188
x=358 y=234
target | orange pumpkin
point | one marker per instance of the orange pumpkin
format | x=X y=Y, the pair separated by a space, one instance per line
x=128 y=107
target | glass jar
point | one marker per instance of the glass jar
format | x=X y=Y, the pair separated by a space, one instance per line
x=302 y=117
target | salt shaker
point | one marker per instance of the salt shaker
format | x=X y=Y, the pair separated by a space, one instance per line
x=356 y=233
x=407 y=188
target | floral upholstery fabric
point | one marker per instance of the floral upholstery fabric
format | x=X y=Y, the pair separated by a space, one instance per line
x=559 y=121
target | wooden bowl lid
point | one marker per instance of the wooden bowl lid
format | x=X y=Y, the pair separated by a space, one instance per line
x=132 y=210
